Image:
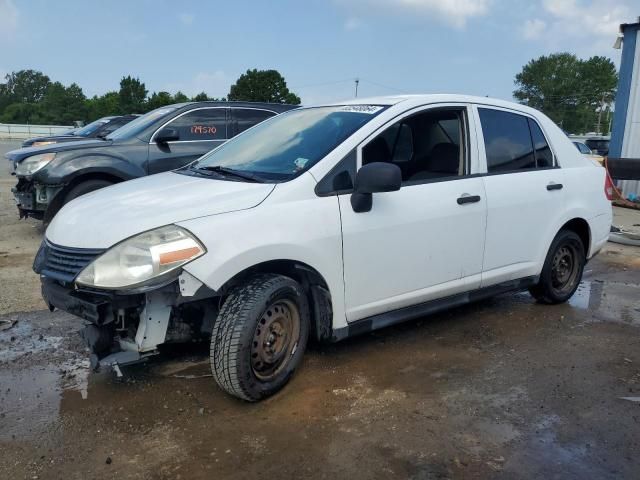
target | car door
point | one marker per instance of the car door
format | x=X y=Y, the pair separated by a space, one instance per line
x=524 y=193
x=426 y=240
x=200 y=130
x=243 y=118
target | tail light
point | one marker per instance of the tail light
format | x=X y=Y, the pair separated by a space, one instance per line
x=608 y=187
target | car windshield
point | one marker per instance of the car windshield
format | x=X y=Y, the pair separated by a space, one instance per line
x=90 y=128
x=134 y=127
x=288 y=144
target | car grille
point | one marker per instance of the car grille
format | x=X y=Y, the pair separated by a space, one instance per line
x=63 y=263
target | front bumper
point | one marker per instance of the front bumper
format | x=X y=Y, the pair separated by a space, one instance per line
x=95 y=307
x=32 y=198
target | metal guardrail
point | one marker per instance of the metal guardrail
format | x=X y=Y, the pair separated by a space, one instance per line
x=10 y=131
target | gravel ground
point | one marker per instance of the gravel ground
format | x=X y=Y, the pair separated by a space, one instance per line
x=504 y=388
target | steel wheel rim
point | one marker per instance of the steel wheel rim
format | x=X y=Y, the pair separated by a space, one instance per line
x=275 y=339
x=564 y=270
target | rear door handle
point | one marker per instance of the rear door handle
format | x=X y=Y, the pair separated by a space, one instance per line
x=554 y=186
x=466 y=198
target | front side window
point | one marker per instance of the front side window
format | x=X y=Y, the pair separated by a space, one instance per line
x=290 y=143
x=246 y=118
x=507 y=141
x=425 y=146
x=201 y=124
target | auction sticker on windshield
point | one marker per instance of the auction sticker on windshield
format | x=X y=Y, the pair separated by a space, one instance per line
x=370 y=109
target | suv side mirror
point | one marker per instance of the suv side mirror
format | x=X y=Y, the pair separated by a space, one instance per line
x=167 y=135
x=374 y=178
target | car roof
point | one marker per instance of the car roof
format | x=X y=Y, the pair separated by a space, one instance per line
x=276 y=107
x=433 y=98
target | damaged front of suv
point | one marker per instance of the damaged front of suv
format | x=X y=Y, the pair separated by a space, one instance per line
x=43 y=173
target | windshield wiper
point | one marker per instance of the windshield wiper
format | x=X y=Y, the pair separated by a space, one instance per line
x=225 y=171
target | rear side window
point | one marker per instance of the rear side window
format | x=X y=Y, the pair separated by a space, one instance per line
x=544 y=157
x=507 y=141
x=246 y=118
x=201 y=124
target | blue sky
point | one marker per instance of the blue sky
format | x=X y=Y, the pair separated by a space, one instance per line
x=320 y=46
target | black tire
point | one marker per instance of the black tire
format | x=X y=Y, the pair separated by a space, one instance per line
x=250 y=322
x=562 y=270
x=84 y=188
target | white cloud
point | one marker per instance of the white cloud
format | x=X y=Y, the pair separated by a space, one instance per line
x=215 y=84
x=8 y=18
x=186 y=18
x=533 y=29
x=587 y=26
x=352 y=23
x=452 y=12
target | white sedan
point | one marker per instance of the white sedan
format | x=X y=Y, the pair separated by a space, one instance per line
x=327 y=222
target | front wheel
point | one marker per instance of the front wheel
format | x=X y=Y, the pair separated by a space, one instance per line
x=562 y=270
x=259 y=336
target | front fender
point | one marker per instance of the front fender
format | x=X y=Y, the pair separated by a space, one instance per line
x=65 y=170
x=305 y=230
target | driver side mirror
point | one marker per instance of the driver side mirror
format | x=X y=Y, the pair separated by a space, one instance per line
x=167 y=135
x=373 y=178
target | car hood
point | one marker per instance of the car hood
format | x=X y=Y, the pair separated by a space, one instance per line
x=22 y=153
x=105 y=217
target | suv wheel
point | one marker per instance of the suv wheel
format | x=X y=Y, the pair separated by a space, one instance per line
x=259 y=336
x=86 y=187
x=562 y=270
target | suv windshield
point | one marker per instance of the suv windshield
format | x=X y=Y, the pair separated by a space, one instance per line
x=91 y=127
x=134 y=127
x=288 y=144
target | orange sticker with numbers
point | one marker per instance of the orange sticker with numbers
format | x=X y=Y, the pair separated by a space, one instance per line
x=203 y=130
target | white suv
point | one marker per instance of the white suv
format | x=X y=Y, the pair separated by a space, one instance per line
x=327 y=222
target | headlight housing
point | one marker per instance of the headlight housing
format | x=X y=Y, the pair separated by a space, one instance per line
x=145 y=259
x=32 y=164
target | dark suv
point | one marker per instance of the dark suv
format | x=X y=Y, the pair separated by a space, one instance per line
x=97 y=129
x=163 y=139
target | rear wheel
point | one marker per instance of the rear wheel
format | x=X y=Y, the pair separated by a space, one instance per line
x=259 y=336
x=562 y=270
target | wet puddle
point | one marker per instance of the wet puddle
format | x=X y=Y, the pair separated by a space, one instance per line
x=609 y=301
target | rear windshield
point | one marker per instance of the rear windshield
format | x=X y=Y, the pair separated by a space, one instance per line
x=288 y=144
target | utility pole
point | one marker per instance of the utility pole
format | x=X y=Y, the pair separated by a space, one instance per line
x=600 y=115
x=357 y=82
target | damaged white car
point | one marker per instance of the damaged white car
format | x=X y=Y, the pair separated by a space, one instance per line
x=326 y=222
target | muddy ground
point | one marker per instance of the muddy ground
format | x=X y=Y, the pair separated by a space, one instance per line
x=504 y=388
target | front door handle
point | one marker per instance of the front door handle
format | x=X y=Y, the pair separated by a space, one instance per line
x=554 y=186
x=466 y=198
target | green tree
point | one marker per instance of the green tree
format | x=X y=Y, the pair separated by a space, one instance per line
x=22 y=113
x=103 y=106
x=160 y=99
x=26 y=86
x=132 y=95
x=180 y=97
x=63 y=105
x=262 y=86
x=201 y=97
x=570 y=91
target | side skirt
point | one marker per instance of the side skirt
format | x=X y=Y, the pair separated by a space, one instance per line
x=427 y=308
